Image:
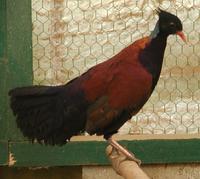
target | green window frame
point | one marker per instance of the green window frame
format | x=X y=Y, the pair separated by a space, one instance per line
x=16 y=70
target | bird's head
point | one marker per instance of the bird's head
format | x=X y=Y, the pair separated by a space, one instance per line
x=169 y=24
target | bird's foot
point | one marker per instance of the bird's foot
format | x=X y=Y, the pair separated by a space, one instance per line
x=124 y=151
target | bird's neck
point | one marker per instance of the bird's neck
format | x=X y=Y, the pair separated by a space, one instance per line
x=152 y=56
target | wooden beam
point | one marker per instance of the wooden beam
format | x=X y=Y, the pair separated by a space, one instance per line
x=19 y=54
x=3 y=153
x=156 y=151
x=131 y=137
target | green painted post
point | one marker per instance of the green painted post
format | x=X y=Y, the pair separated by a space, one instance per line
x=3 y=99
x=15 y=64
x=3 y=71
x=19 y=50
x=3 y=153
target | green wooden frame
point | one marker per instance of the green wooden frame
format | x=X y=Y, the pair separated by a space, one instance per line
x=93 y=152
x=15 y=64
x=3 y=71
x=16 y=70
x=4 y=153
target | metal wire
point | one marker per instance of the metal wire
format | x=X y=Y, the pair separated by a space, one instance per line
x=70 y=36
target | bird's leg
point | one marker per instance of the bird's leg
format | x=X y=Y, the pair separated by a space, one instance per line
x=118 y=147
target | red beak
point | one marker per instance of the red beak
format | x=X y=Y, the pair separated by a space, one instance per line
x=181 y=35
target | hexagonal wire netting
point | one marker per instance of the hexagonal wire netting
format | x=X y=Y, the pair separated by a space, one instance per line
x=70 y=36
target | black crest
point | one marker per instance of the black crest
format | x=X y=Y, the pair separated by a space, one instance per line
x=161 y=12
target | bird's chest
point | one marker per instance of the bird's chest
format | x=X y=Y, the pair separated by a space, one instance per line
x=130 y=88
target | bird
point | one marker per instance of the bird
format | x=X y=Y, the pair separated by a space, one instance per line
x=100 y=100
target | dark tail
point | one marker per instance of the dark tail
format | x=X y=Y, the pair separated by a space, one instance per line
x=40 y=113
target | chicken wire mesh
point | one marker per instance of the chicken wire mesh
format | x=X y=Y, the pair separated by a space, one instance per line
x=70 y=36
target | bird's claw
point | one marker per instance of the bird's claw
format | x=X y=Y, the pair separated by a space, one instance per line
x=122 y=151
x=133 y=158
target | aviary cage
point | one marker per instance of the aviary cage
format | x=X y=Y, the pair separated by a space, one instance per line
x=52 y=41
